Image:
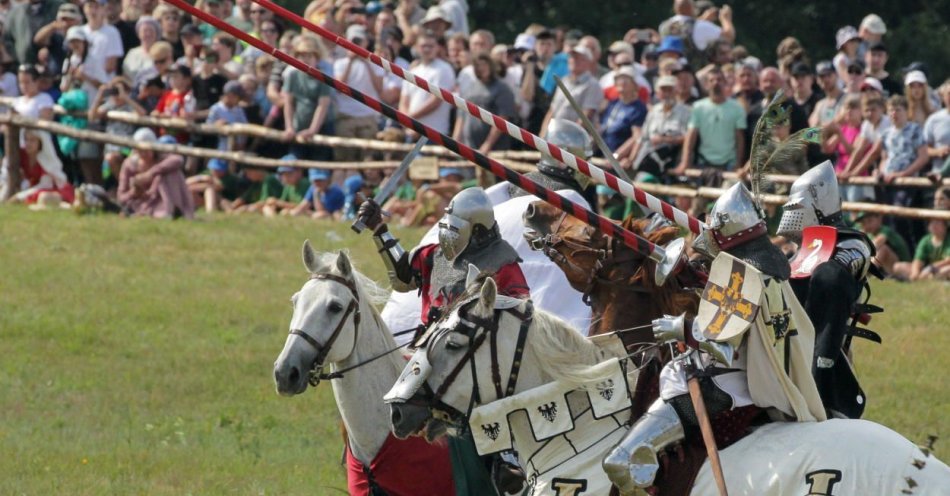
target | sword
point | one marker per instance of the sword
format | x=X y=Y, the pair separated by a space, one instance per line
x=699 y=406
x=589 y=126
x=394 y=180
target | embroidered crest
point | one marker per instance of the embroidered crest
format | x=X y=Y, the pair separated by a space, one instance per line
x=606 y=389
x=548 y=411
x=491 y=430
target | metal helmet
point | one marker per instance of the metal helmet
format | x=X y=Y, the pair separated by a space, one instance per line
x=569 y=136
x=735 y=218
x=470 y=212
x=812 y=200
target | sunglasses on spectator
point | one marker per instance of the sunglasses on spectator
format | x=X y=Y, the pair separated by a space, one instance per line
x=855 y=71
x=257 y=11
x=161 y=61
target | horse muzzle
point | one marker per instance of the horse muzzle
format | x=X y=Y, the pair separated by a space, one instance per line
x=407 y=419
x=290 y=379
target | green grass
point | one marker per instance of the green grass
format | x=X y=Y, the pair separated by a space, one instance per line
x=136 y=357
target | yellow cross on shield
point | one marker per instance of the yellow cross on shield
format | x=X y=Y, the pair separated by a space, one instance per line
x=730 y=300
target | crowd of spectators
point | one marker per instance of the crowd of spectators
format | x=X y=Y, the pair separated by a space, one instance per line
x=682 y=96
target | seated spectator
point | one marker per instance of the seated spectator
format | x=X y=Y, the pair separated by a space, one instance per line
x=115 y=96
x=931 y=257
x=153 y=185
x=256 y=186
x=919 y=105
x=40 y=170
x=937 y=135
x=217 y=188
x=138 y=60
x=621 y=120
x=867 y=148
x=418 y=103
x=904 y=154
x=491 y=93
x=293 y=188
x=324 y=199
x=890 y=247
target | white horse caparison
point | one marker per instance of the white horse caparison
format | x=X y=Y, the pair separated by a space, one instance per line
x=835 y=457
x=336 y=324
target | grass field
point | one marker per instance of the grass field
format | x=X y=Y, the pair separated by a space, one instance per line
x=136 y=357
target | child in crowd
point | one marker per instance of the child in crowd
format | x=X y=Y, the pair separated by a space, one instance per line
x=292 y=191
x=228 y=111
x=904 y=155
x=179 y=101
x=839 y=138
x=41 y=170
x=217 y=188
x=109 y=97
x=258 y=185
x=324 y=198
x=932 y=256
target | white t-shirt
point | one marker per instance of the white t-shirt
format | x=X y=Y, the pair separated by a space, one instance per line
x=103 y=43
x=437 y=72
x=92 y=70
x=704 y=32
x=359 y=79
x=872 y=134
x=466 y=79
x=31 y=107
x=937 y=134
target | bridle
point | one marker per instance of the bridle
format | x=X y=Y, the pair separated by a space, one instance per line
x=479 y=331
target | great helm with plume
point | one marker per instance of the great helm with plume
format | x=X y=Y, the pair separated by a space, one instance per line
x=469 y=218
x=735 y=219
x=812 y=200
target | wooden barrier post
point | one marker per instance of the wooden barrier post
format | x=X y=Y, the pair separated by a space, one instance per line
x=11 y=146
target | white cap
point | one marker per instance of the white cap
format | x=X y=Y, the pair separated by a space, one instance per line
x=915 y=77
x=669 y=81
x=435 y=13
x=621 y=46
x=626 y=70
x=874 y=24
x=356 y=31
x=75 y=33
x=870 y=82
x=145 y=135
x=583 y=50
x=524 y=41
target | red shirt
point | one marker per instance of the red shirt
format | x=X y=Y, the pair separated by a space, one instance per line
x=175 y=104
x=410 y=467
x=509 y=279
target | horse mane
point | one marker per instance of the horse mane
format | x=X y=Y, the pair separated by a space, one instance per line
x=368 y=289
x=667 y=299
x=562 y=351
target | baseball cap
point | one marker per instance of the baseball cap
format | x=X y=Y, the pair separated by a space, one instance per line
x=144 y=135
x=621 y=46
x=285 y=168
x=168 y=140
x=525 y=41
x=801 y=69
x=373 y=8
x=75 y=33
x=356 y=32
x=917 y=66
x=190 y=30
x=182 y=69
x=874 y=24
x=233 y=88
x=915 y=77
x=319 y=175
x=68 y=11
x=670 y=44
x=583 y=51
x=449 y=171
x=435 y=13
x=872 y=83
x=666 y=81
x=216 y=164
x=845 y=35
x=824 y=67
x=627 y=71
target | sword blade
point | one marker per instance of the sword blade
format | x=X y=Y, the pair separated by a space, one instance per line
x=395 y=179
x=589 y=126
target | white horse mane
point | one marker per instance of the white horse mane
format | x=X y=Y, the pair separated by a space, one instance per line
x=563 y=352
x=367 y=287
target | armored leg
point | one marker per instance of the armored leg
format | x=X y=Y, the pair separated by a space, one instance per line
x=633 y=463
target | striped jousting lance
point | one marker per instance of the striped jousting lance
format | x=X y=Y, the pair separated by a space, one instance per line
x=599 y=176
x=666 y=259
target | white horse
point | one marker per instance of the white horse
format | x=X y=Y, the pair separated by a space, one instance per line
x=335 y=323
x=835 y=457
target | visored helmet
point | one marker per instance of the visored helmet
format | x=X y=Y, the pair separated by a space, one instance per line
x=812 y=200
x=735 y=219
x=470 y=213
x=569 y=136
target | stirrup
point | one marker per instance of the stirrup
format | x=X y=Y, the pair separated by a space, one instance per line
x=633 y=464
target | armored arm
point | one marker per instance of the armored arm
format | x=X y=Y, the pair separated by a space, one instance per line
x=397 y=261
x=670 y=328
x=855 y=255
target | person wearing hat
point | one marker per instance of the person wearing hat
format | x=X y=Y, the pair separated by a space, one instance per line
x=437 y=21
x=827 y=107
x=456 y=12
x=695 y=34
x=228 y=111
x=846 y=42
x=323 y=198
x=32 y=103
x=353 y=119
x=663 y=132
x=152 y=184
x=582 y=86
x=875 y=59
x=622 y=118
x=105 y=42
x=116 y=95
x=917 y=92
x=293 y=187
x=53 y=35
x=41 y=170
x=137 y=60
x=308 y=105
x=23 y=21
x=718 y=123
x=418 y=103
x=871 y=30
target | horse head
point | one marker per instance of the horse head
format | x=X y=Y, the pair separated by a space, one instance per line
x=323 y=329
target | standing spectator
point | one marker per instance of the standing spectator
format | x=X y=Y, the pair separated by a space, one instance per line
x=355 y=120
x=31 y=103
x=697 y=34
x=242 y=16
x=867 y=148
x=622 y=119
x=663 y=132
x=918 y=100
x=592 y=44
x=124 y=21
x=162 y=56
x=719 y=124
x=583 y=87
x=115 y=96
x=790 y=52
x=153 y=185
x=841 y=138
x=854 y=78
x=258 y=15
x=747 y=91
x=875 y=59
x=170 y=20
x=827 y=107
x=225 y=47
x=408 y=15
x=137 y=61
x=105 y=43
x=78 y=70
x=846 y=42
x=871 y=30
x=307 y=103
x=458 y=53
x=803 y=82
x=228 y=111
x=207 y=83
x=216 y=9
x=904 y=155
x=437 y=22
x=457 y=13
x=23 y=21
x=52 y=36
x=937 y=134
x=271 y=33
x=418 y=103
x=491 y=93
x=535 y=62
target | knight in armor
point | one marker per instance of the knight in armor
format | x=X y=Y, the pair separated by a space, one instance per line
x=828 y=282
x=750 y=346
x=468 y=235
x=557 y=176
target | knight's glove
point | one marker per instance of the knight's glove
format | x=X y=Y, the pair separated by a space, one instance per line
x=371 y=215
x=669 y=328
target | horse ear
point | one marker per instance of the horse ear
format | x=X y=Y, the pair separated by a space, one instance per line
x=343 y=264
x=486 y=298
x=310 y=260
x=472 y=276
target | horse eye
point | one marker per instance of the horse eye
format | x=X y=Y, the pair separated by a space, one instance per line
x=335 y=307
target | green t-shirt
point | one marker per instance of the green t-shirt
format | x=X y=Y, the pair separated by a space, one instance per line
x=717 y=126
x=268 y=188
x=307 y=92
x=294 y=193
x=406 y=192
x=928 y=253
x=897 y=243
